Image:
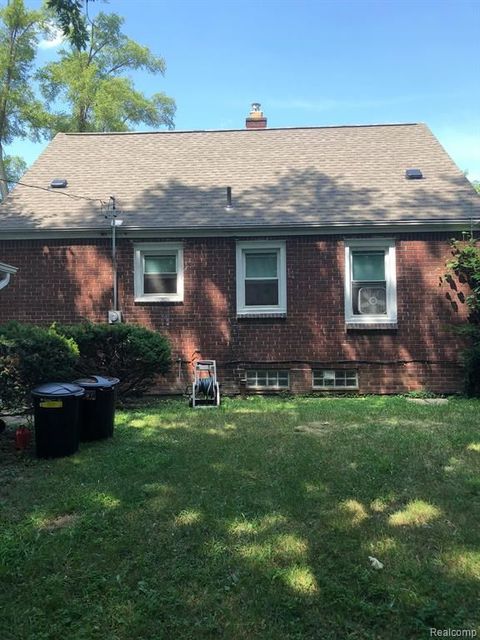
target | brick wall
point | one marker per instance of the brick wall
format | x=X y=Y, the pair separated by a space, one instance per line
x=67 y=282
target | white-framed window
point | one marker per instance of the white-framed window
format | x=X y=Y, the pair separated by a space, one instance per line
x=261 y=277
x=334 y=379
x=268 y=379
x=158 y=272
x=370 y=281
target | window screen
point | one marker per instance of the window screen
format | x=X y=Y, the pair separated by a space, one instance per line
x=369 y=267
x=261 y=279
x=369 y=287
x=160 y=274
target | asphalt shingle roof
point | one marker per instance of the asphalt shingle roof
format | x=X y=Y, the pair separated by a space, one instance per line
x=298 y=177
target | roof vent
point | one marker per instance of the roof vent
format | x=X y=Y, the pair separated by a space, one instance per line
x=58 y=183
x=229 y=199
x=413 y=174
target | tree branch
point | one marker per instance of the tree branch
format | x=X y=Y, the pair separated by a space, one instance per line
x=120 y=65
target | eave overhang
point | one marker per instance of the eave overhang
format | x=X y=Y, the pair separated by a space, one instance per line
x=332 y=228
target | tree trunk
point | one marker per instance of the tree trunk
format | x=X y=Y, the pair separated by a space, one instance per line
x=3 y=176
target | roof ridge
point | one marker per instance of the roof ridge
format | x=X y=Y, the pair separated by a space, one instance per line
x=326 y=126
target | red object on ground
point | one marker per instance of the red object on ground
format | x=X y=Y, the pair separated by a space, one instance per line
x=22 y=438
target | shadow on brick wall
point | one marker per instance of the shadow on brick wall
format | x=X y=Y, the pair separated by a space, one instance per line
x=68 y=282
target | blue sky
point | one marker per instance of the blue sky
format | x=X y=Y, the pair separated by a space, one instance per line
x=313 y=63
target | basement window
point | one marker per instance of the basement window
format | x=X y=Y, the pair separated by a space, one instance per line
x=268 y=379
x=335 y=379
x=261 y=278
x=370 y=282
x=158 y=272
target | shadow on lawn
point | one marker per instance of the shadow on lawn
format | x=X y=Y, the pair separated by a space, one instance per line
x=227 y=531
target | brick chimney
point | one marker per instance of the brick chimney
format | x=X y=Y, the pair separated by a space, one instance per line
x=256 y=119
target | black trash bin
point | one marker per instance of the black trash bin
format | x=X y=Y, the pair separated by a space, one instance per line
x=97 y=407
x=56 y=412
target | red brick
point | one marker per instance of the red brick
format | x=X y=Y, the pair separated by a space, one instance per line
x=60 y=282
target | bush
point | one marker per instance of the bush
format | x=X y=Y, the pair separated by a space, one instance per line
x=471 y=358
x=465 y=267
x=133 y=354
x=30 y=355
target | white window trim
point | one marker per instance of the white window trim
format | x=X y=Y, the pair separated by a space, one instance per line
x=334 y=387
x=158 y=248
x=281 y=307
x=265 y=387
x=388 y=245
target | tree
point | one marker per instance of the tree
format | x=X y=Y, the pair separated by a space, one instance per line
x=476 y=185
x=21 y=114
x=464 y=266
x=70 y=19
x=15 y=167
x=93 y=86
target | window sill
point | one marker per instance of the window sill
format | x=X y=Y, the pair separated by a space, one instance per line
x=156 y=300
x=371 y=326
x=249 y=316
x=264 y=390
x=334 y=389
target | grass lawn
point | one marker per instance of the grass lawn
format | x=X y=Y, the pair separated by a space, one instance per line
x=255 y=520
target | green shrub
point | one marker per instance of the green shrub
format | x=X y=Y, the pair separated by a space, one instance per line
x=133 y=354
x=464 y=266
x=471 y=358
x=30 y=355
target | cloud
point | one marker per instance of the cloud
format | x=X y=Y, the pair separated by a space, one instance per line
x=54 y=39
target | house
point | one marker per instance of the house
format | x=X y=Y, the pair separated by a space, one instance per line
x=299 y=258
x=6 y=271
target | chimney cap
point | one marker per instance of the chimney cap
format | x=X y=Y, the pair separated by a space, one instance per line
x=256 y=119
x=255 y=111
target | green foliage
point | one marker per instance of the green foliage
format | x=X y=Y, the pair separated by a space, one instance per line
x=465 y=267
x=421 y=394
x=133 y=354
x=21 y=114
x=471 y=362
x=15 y=167
x=71 y=21
x=87 y=89
x=90 y=87
x=30 y=355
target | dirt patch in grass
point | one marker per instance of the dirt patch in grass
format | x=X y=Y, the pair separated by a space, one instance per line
x=428 y=400
x=312 y=427
x=60 y=522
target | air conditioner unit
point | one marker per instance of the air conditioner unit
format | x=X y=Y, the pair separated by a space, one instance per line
x=114 y=317
x=372 y=300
